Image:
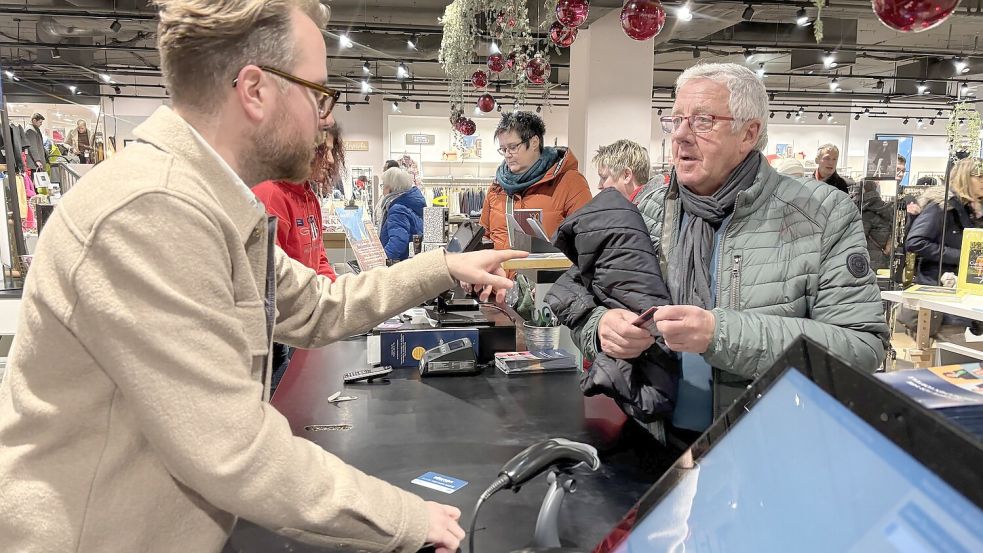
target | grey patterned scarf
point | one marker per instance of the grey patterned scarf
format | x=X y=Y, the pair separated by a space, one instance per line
x=689 y=263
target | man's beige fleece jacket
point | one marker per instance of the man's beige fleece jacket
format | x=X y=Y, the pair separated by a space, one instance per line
x=132 y=414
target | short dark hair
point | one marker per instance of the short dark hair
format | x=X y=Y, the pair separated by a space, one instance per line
x=390 y=163
x=901 y=159
x=525 y=124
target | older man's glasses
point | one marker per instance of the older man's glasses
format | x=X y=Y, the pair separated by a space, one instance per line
x=699 y=123
x=325 y=98
x=512 y=148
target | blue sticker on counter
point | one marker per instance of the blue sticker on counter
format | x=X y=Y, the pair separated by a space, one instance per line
x=439 y=482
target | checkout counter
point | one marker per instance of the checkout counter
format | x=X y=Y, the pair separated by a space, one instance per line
x=465 y=427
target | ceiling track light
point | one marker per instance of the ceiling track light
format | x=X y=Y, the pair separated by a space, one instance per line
x=866 y=110
x=418 y=105
x=402 y=71
x=788 y=114
x=344 y=41
x=748 y=55
x=856 y=117
x=801 y=17
x=348 y=107
x=748 y=13
x=761 y=70
x=55 y=54
x=696 y=53
x=829 y=61
x=922 y=87
x=411 y=43
x=879 y=85
x=771 y=115
x=829 y=116
x=365 y=67
x=115 y=26
x=539 y=109
x=931 y=121
x=834 y=83
x=684 y=13
x=905 y=122
x=962 y=66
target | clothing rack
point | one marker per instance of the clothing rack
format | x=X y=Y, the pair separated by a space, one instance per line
x=466 y=199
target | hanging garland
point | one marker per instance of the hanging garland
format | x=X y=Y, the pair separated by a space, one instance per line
x=508 y=23
x=963 y=129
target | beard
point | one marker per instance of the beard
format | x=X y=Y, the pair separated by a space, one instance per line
x=277 y=152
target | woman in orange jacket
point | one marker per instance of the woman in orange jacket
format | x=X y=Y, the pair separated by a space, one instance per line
x=531 y=177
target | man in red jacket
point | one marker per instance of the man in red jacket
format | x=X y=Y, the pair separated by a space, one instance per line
x=299 y=225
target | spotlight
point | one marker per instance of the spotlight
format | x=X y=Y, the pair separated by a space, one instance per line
x=834 y=83
x=418 y=105
x=412 y=42
x=55 y=54
x=856 y=117
x=963 y=88
x=696 y=53
x=820 y=116
x=931 y=121
x=494 y=49
x=866 y=110
x=771 y=96
x=348 y=107
x=939 y=113
x=366 y=97
x=73 y=88
x=105 y=78
x=922 y=87
x=905 y=122
x=401 y=71
x=798 y=118
x=660 y=111
x=365 y=67
x=748 y=13
x=115 y=26
x=880 y=84
x=788 y=114
x=761 y=70
x=684 y=13
x=801 y=17
x=365 y=87
x=395 y=106
x=344 y=41
x=828 y=60
x=962 y=66
x=539 y=109
x=829 y=116
x=498 y=108
x=117 y=90
x=748 y=55
x=920 y=123
x=801 y=110
x=9 y=74
x=771 y=115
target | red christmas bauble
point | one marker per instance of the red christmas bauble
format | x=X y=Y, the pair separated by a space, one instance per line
x=467 y=127
x=643 y=19
x=572 y=13
x=496 y=63
x=913 y=16
x=562 y=36
x=486 y=102
x=538 y=70
x=479 y=79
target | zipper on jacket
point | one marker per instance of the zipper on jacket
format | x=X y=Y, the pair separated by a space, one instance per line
x=735 y=284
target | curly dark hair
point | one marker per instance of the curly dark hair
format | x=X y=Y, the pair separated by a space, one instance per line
x=526 y=124
x=323 y=174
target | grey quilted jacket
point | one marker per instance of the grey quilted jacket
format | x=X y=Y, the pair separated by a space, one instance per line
x=793 y=261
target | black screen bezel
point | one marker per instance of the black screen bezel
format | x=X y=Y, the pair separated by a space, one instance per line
x=934 y=441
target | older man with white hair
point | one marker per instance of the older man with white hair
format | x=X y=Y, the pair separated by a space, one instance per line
x=753 y=259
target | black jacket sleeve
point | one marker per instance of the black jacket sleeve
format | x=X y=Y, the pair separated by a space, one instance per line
x=925 y=237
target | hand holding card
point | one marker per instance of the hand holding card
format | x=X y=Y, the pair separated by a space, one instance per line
x=645 y=321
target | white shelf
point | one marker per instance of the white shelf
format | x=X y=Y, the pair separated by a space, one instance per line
x=969 y=306
x=960 y=349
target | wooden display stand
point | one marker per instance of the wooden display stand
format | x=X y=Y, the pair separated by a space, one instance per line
x=969 y=306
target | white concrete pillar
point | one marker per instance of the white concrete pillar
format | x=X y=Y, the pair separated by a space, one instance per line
x=610 y=90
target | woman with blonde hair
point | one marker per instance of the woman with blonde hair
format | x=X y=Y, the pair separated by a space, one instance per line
x=964 y=209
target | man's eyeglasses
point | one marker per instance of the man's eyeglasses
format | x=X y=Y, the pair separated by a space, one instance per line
x=513 y=148
x=699 y=123
x=324 y=97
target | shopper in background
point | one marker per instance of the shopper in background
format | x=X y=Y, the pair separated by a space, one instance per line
x=963 y=210
x=902 y=168
x=827 y=157
x=35 y=143
x=400 y=213
x=299 y=225
x=624 y=166
x=533 y=176
x=390 y=163
x=775 y=285
x=878 y=220
x=133 y=413
x=80 y=142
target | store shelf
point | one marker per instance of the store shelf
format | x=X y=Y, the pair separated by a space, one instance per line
x=960 y=349
x=969 y=306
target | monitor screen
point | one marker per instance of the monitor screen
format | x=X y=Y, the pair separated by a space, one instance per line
x=800 y=472
x=466 y=238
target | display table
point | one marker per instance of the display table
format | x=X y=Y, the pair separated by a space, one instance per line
x=969 y=306
x=534 y=262
x=464 y=427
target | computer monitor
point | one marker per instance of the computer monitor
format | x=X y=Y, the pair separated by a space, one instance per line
x=466 y=238
x=816 y=457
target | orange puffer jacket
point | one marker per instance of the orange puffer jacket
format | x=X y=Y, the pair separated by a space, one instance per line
x=560 y=192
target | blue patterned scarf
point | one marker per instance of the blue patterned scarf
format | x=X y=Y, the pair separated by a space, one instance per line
x=513 y=184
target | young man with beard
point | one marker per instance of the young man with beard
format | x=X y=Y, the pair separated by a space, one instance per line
x=133 y=416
